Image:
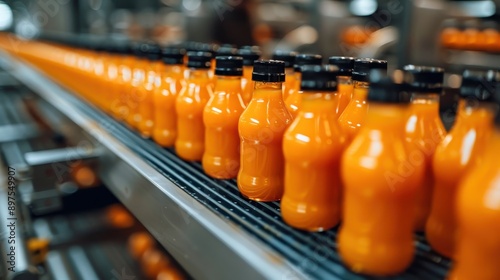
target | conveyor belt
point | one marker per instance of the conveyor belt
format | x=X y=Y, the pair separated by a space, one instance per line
x=313 y=253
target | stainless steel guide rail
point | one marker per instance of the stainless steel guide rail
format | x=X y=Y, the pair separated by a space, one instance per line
x=205 y=224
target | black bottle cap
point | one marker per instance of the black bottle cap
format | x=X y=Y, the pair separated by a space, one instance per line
x=306 y=59
x=344 y=63
x=268 y=71
x=124 y=48
x=383 y=89
x=173 y=55
x=229 y=66
x=287 y=57
x=136 y=49
x=199 y=60
x=497 y=101
x=363 y=66
x=424 y=78
x=227 y=50
x=250 y=54
x=479 y=85
x=319 y=77
x=152 y=51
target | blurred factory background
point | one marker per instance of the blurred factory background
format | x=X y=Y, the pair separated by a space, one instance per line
x=453 y=34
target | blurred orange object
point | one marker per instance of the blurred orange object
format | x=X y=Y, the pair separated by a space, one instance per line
x=451 y=37
x=170 y=274
x=139 y=243
x=119 y=217
x=153 y=262
x=84 y=176
x=491 y=40
x=356 y=34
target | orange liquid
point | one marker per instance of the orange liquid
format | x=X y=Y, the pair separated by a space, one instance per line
x=222 y=143
x=189 y=105
x=346 y=89
x=478 y=216
x=247 y=84
x=146 y=104
x=120 y=106
x=424 y=131
x=134 y=92
x=291 y=83
x=261 y=129
x=164 y=98
x=312 y=147
x=376 y=235
x=354 y=115
x=453 y=157
x=294 y=99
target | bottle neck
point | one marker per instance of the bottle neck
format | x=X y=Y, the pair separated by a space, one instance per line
x=344 y=80
x=247 y=72
x=318 y=102
x=474 y=113
x=360 y=92
x=195 y=74
x=427 y=103
x=387 y=117
x=268 y=90
x=228 y=83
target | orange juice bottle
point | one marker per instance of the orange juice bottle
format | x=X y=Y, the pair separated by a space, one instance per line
x=221 y=159
x=164 y=96
x=290 y=80
x=250 y=55
x=120 y=106
x=424 y=129
x=154 y=67
x=478 y=213
x=354 y=115
x=376 y=235
x=312 y=147
x=261 y=128
x=189 y=106
x=458 y=153
x=294 y=97
x=345 y=85
x=138 y=79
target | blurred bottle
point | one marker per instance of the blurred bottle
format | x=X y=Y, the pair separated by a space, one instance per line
x=189 y=106
x=478 y=213
x=354 y=115
x=261 y=128
x=312 y=147
x=165 y=94
x=154 y=67
x=294 y=98
x=424 y=129
x=138 y=79
x=376 y=236
x=290 y=80
x=345 y=85
x=458 y=153
x=250 y=54
x=221 y=158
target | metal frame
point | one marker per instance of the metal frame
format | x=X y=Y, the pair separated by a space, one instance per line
x=207 y=246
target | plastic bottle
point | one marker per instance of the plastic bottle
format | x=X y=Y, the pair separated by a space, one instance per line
x=354 y=115
x=290 y=80
x=294 y=98
x=376 y=235
x=165 y=94
x=261 y=128
x=154 y=67
x=424 y=129
x=312 y=147
x=189 y=106
x=345 y=84
x=138 y=78
x=221 y=159
x=250 y=54
x=458 y=153
x=478 y=213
